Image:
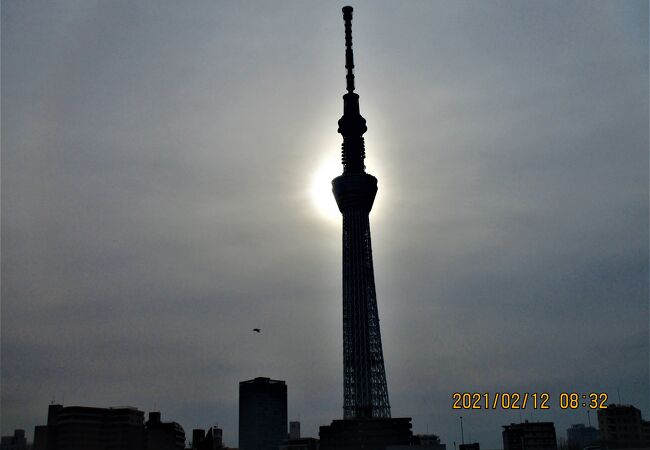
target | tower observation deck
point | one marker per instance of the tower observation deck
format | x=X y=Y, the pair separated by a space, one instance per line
x=365 y=394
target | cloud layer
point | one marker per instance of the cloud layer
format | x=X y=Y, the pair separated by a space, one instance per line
x=156 y=164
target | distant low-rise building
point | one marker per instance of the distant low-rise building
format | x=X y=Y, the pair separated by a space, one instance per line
x=212 y=440
x=472 y=446
x=89 y=428
x=529 y=436
x=40 y=437
x=580 y=436
x=422 y=442
x=119 y=428
x=306 y=443
x=621 y=426
x=426 y=439
x=163 y=435
x=198 y=435
x=366 y=433
x=15 y=442
x=294 y=430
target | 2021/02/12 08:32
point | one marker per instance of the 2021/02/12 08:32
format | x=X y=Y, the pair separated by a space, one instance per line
x=536 y=400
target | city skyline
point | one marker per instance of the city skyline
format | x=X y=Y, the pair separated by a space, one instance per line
x=159 y=201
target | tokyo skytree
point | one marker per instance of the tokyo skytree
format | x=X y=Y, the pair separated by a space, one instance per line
x=365 y=392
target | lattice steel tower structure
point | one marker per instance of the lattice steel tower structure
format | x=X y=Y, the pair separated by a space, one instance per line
x=364 y=378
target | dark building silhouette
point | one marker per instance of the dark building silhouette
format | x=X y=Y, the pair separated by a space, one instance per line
x=428 y=441
x=163 y=435
x=198 y=436
x=40 y=437
x=211 y=440
x=529 y=436
x=294 y=430
x=472 y=446
x=421 y=441
x=299 y=444
x=366 y=433
x=89 y=428
x=262 y=414
x=15 y=442
x=366 y=408
x=45 y=435
x=621 y=426
x=580 y=436
x=295 y=442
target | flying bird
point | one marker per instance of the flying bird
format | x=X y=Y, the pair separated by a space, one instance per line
x=257 y=330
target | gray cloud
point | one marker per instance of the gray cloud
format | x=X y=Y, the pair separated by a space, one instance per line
x=155 y=168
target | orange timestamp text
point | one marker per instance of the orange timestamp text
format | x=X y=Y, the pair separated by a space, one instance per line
x=523 y=400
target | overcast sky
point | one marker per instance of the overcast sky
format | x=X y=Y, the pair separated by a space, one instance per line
x=165 y=189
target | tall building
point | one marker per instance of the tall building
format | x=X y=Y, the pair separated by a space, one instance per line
x=262 y=414
x=579 y=436
x=365 y=393
x=529 y=436
x=621 y=426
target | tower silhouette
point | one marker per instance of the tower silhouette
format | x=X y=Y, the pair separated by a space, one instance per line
x=365 y=392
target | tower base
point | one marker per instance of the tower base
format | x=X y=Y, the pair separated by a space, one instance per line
x=365 y=433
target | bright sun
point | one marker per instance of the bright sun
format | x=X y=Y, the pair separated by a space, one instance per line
x=320 y=189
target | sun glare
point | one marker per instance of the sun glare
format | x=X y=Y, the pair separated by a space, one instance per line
x=320 y=189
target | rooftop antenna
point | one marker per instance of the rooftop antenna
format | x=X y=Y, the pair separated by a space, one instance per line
x=462 y=434
x=588 y=418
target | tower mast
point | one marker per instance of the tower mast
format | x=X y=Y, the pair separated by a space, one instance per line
x=365 y=394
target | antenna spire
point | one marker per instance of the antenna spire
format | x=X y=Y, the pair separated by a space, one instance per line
x=352 y=125
x=349 y=55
